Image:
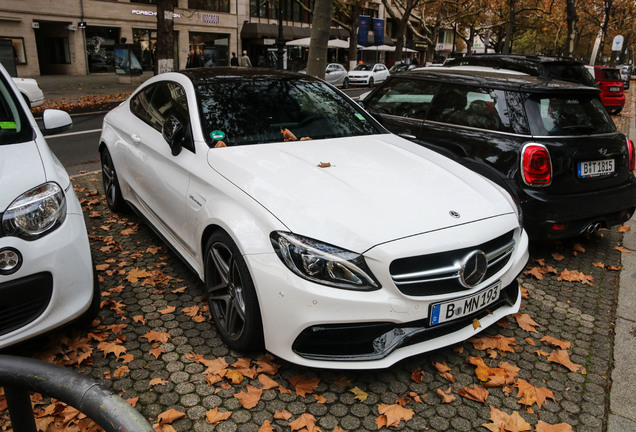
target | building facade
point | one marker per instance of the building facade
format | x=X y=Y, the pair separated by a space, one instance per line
x=78 y=37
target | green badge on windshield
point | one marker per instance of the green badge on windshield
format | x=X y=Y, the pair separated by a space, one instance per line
x=217 y=135
x=8 y=125
x=360 y=116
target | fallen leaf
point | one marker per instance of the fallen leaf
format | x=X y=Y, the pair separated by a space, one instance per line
x=502 y=421
x=557 y=256
x=478 y=394
x=324 y=165
x=530 y=394
x=250 y=398
x=555 y=342
x=158 y=381
x=170 y=416
x=282 y=415
x=155 y=336
x=499 y=342
x=304 y=385
x=525 y=322
x=446 y=396
x=167 y=310
x=359 y=394
x=476 y=324
x=622 y=249
x=394 y=414
x=213 y=416
x=563 y=358
x=546 y=427
x=306 y=421
x=266 y=427
x=625 y=228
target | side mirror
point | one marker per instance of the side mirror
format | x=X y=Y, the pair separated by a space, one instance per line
x=55 y=121
x=174 y=134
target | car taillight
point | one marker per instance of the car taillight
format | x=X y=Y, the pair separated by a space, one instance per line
x=631 y=154
x=536 y=165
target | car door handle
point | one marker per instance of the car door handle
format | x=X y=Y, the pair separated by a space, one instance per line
x=135 y=138
x=407 y=136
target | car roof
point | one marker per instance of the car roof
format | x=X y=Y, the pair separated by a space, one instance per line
x=496 y=79
x=516 y=58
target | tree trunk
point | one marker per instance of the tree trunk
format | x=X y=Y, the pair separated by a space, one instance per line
x=507 y=48
x=572 y=19
x=165 y=37
x=356 y=10
x=320 y=24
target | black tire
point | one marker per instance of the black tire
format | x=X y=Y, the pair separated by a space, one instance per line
x=371 y=82
x=345 y=83
x=231 y=295
x=112 y=190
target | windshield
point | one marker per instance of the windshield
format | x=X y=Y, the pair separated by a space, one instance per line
x=578 y=114
x=364 y=67
x=241 y=112
x=14 y=126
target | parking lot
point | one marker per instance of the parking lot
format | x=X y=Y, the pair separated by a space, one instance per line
x=153 y=344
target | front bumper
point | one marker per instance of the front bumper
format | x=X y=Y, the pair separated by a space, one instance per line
x=301 y=319
x=53 y=286
x=358 y=80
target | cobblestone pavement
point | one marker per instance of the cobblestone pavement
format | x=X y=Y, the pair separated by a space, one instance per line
x=151 y=344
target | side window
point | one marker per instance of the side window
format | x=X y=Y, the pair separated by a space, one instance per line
x=404 y=97
x=476 y=107
x=155 y=104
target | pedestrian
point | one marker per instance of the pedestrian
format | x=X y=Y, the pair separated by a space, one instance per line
x=245 y=60
x=234 y=60
x=414 y=61
x=194 y=60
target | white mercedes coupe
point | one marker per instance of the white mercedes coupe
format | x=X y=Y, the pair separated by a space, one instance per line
x=320 y=236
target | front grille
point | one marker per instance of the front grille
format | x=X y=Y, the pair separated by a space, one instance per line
x=23 y=300
x=438 y=273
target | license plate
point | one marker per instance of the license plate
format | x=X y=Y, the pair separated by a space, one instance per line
x=614 y=89
x=454 y=309
x=596 y=168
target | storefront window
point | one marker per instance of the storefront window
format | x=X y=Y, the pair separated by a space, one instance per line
x=211 y=5
x=145 y=40
x=100 y=43
x=208 y=49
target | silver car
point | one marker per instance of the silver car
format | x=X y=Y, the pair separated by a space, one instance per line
x=337 y=75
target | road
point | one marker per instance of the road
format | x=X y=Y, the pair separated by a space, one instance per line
x=77 y=149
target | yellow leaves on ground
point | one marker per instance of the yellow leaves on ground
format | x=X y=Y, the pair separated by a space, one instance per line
x=392 y=415
x=359 y=394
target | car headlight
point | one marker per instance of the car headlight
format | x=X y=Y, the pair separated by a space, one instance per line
x=323 y=263
x=35 y=213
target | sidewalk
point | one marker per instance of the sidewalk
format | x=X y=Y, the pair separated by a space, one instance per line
x=622 y=416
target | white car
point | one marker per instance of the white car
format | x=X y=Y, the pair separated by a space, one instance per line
x=318 y=234
x=30 y=91
x=368 y=74
x=46 y=271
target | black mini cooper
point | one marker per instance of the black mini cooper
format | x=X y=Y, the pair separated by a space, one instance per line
x=550 y=143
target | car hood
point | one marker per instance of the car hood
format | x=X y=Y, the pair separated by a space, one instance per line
x=359 y=192
x=21 y=169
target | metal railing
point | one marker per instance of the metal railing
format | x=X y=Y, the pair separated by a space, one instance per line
x=22 y=376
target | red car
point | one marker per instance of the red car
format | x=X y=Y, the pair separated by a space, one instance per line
x=610 y=82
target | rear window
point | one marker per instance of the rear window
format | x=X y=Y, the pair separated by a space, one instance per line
x=570 y=72
x=567 y=115
x=476 y=107
x=14 y=126
x=611 y=75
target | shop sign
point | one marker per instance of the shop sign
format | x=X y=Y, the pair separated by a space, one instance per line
x=151 y=13
x=209 y=18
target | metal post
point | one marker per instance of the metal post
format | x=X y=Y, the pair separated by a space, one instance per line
x=20 y=409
